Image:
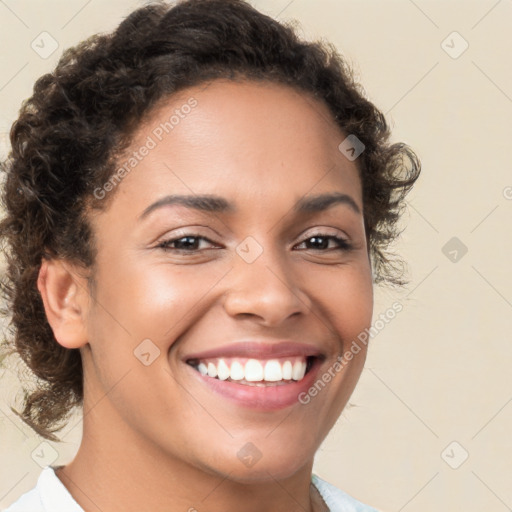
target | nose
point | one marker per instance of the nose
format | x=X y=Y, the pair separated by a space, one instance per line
x=265 y=290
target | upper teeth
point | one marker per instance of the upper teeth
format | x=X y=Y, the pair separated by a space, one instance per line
x=253 y=370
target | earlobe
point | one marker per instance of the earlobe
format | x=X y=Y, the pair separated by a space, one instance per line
x=65 y=299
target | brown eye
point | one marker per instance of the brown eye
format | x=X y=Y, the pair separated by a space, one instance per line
x=321 y=242
x=187 y=243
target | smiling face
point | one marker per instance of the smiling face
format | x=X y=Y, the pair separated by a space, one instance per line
x=262 y=258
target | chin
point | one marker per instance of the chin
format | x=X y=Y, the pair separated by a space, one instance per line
x=251 y=466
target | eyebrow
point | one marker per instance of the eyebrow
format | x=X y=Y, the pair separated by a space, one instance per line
x=324 y=201
x=217 y=204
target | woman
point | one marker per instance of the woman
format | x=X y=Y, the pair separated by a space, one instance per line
x=197 y=208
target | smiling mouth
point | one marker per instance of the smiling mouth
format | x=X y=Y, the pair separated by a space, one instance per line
x=255 y=372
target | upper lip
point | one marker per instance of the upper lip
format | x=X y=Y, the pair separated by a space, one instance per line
x=259 y=350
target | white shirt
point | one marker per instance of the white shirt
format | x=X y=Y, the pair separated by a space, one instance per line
x=50 y=495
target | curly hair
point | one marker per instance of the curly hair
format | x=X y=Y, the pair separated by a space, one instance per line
x=71 y=131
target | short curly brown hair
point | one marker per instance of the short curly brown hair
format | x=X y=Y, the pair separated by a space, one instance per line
x=70 y=133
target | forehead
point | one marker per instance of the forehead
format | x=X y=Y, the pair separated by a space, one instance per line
x=240 y=139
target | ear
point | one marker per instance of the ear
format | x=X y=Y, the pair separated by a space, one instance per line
x=65 y=297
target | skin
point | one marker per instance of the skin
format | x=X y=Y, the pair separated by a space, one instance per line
x=157 y=438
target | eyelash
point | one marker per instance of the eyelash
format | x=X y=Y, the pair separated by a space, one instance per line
x=343 y=245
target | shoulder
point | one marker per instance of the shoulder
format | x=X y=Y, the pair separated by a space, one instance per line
x=48 y=495
x=338 y=500
x=28 y=502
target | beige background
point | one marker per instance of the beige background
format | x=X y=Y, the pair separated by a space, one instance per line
x=440 y=371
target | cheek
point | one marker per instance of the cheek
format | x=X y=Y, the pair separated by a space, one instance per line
x=345 y=294
x=156 y=300
x=358 y=304
x=136 y=303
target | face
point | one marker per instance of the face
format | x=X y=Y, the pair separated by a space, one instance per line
x=258 y=273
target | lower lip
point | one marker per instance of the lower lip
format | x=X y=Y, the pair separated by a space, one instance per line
x=263 y=398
